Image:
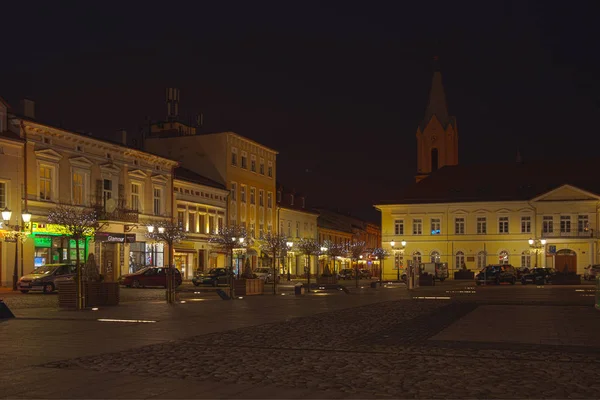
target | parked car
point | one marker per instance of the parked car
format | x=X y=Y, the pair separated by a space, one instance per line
x=497 y=274
x=538 y=276
x=46 y=278
x=149 y=277
x=591 y=272
x=214 y=277
x=346 y=273
x=438 y=270
x=522 y=271
x=364 y=274
x=266 y=274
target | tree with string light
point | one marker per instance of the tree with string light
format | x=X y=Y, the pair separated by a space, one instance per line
x=309 y=248
x=170 y=233
x=356 y=251
x=227 y=239
x=77 y=224
x=275 y=244
x=381 y=255
x=334 y=250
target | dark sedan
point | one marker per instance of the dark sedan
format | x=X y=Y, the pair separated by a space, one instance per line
x=214 y=277
x=538 y=276
x=496 y=274
x=149 y=277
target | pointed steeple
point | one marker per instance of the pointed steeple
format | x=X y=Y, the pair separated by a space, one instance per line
x=437 y=100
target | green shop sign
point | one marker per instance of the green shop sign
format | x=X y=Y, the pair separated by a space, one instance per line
x=42 y=242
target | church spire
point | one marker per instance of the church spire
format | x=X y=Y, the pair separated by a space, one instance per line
x=437 y=99
x=437 y=135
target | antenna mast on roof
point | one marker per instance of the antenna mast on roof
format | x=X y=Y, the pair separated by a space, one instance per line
x=172 y=104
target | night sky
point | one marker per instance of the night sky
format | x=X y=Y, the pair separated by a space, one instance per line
x=337 y=89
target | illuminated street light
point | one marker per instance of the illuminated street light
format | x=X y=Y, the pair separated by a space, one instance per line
x=161 y=229
x=537 y=247
x=401 y=251
x=6 y=214
x=150 y=228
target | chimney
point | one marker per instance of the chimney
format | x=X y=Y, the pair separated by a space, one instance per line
x=29 y=108
x=123 y=137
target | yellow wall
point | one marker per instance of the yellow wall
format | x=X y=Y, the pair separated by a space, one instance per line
x=564 y=201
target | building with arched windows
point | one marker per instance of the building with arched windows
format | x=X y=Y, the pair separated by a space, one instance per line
x=474 y=215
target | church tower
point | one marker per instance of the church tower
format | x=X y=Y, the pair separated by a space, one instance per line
x=437 y=136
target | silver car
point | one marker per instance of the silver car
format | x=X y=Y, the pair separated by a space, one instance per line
x=45 y=278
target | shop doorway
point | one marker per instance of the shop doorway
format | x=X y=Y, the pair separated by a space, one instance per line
x=565 y=260
x=109 y=252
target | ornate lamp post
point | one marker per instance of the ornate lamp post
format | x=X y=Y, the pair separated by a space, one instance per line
x=537 y=246
x=289 y=246
x=399 y=250
x=324 y=252
x=19 y=237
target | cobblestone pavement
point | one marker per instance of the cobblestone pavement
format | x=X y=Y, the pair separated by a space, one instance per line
x=383 y=350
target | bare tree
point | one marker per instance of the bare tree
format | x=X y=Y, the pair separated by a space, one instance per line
x=275 y=244
x=169 y=233
x=356 y=250
x=228 y=239
x=381 y=254
x=334 y=250
x=76 y=223
x=309 y=248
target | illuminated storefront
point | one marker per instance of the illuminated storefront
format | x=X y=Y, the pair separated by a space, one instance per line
x=52 y=247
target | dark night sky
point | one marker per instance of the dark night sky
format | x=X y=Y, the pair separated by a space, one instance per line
x=337 y=89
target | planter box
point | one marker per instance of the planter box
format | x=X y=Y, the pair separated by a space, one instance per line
x=327 y=280
x=96 y=294
x=566 y=280
x=426 y=280
x=248 y=287
x=464 y=275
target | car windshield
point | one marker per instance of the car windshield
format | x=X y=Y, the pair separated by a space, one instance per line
x=141 y=271
x=44 y=270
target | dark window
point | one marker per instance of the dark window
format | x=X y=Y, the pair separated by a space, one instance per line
x=434 y=159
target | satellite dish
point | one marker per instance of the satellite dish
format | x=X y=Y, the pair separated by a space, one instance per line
x=111 y=205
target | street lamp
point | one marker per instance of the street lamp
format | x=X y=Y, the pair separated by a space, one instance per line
x=401 y=251
x=289 y=245
x=18 y=235
x=536 y=246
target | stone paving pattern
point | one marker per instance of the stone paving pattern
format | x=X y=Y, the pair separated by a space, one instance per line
x=386 y=349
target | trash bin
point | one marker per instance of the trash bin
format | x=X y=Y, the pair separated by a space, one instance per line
x=374 y=285
x=299 y=289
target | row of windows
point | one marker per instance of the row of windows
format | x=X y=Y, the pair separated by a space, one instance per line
x=197 y=222
x=459 y=258
x=244 y=162
x=243 y=198
x=333 y=239
x=297 y=230
x=198 y=193
x=251 y=228
x=503 y=225
x=48 y=190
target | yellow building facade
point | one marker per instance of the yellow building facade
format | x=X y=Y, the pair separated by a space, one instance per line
x=523 y=214
x=246 y=168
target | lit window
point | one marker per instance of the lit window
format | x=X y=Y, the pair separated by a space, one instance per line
x=45 y=183
x=233 y=191
x=3 y=195
x=583 y=224
x=436 y=226
x=252 y=196
x=244 y=160
x=481 y=260
x=78 y=188
x=107 y=187
x=548 y=224
x=460 y=259
x=135 y=196
x=435 y=256
x=503 y=256
x=261 y=198
x=269 y=200
x=526 y=259
x=243 y=193
x=157 y=201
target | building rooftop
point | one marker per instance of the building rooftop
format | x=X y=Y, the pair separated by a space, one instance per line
x=190 y=176
x=499 y=182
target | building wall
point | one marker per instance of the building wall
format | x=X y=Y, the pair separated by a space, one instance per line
x=297 y=224
x=59 y=155
x=198 y=209
x=448 y=243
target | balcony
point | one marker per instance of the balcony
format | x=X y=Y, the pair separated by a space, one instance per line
x=115 y=212
x=569 y=233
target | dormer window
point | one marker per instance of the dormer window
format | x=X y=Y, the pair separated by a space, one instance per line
x=46 y=140
x=157 y=167
x=79 y=148
x=136 y=162
x=109 y=156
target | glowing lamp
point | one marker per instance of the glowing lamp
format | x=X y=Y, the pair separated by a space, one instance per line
x=6 y=214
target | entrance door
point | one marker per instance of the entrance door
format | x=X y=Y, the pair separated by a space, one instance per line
x=108 y=261
x=565 y=260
